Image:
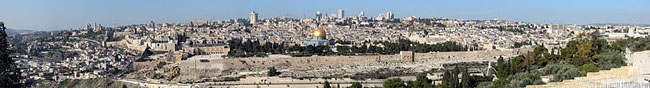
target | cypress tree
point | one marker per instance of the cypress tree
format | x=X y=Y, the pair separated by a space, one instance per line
x=9 y=73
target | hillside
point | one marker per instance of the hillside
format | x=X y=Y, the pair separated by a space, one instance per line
x=15 y=31
x=86 y=83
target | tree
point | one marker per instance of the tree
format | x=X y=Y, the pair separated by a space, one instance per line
x=326 y=85
x=394 y=83
x=421 y=81
x=450 y=77
x=611 y=59
x=355 y=85
x=443 y=85
x=502 y=68
x=539 y=50
x=585 y=51
x=272 y=72
x=160 y=64
x=9 y=73
x=516 y=65
x=465 y=82
x=560 y=72
x=588 y=68
x=338 y=85
x=475 y=81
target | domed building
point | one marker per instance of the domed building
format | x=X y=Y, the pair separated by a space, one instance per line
x=319 y=33
x=319 y=38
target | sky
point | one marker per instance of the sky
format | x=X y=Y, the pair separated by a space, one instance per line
x=47 y=15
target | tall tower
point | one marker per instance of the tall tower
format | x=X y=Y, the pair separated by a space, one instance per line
x=96 y=27
x=361 y=14
x=253 y=18
x=318 y=15
x=341 y=13
x=88 y=26
x=390 y=15
x=151 y=24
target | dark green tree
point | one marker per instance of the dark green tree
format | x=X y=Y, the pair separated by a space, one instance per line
x=421 y=81
x=588 y=68
x=9 y=75
x=355 y=85
x=394 y=83
x=502 y=68
x=272 y=72
x=327 y=85
x=450 y=77
x=444 y=85
x=611 y=59
x=160 y=64
x=465 y=82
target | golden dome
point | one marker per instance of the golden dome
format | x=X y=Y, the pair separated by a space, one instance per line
x=319 y=32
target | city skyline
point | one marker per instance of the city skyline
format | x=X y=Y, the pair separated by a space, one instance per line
x=73 y=14
x=324 y=44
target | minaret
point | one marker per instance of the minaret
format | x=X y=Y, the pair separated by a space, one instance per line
x=253 y=18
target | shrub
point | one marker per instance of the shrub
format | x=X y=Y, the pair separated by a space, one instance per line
x=483 y=84
x=588 y=68
x=501 y=83
x=421 y=81
x=523 y=79
x=442 y=85
x=560 y=72
x=394 y=83
x=611 y=59
x=568 y=74
x=272 y=72
x=513 y=81
x=355 y=85
x=474 y=81
x=160 y=64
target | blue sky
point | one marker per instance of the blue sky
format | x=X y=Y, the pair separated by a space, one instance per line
x=67 y=14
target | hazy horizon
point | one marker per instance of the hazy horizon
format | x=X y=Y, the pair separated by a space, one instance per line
x=73 y=14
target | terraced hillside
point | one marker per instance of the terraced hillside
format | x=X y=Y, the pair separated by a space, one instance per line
x=634 y=75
